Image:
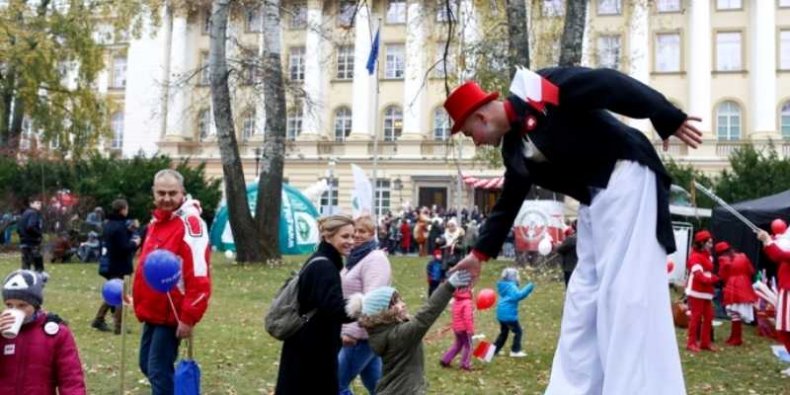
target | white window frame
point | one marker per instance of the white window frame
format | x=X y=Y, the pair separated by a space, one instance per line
x=26 y=136
x=117 y=130
x=296 y=65
x=443 y=69
x=729 y=5
x=204 y=123
x=383 y=196
x=729 y=119
x=784 y=49
x=119 y=64
x=442 y=125
x=609 y=7
x=666 y=6
x=784 y=120
x=248 y=125
x=396 y=12
x=727 y=46
x=298 y=16
x=346 y=10
x=441 y=11
x=606 y=52
x=345 y=62
x=343 y=118
x=395 y=66
x=293 y=124
x=393 y=123
x=335 y=190
x=552 y=8
x=667 y=45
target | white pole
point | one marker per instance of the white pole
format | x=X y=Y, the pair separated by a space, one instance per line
x=376 y=208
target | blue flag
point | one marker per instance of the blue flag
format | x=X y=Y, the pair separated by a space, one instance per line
x=374 y=54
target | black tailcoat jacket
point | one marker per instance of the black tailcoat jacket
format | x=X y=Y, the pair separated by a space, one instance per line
x=581 y=142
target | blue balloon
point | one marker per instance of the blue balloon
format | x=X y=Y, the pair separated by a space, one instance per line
x=162 y=270
x=112 y=292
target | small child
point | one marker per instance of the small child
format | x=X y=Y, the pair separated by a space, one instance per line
x=42 y=358
x=464 y=329
x=396 y=337
x=435 y=272
x=507 y=310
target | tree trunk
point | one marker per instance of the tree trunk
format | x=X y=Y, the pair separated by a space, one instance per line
x=272 y=160
x=573 y=33
x=239 y=217
x=518 y=44
x=15 y=133
x=7 y=108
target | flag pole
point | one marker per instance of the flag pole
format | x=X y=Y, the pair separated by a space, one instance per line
x=375 y=214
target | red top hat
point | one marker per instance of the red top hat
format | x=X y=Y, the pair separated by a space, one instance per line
x=702 y=236
x=721 y=246
x=464 y=100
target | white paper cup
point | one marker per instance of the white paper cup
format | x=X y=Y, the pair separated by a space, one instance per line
x=13 y=331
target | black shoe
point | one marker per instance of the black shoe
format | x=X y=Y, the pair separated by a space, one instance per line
x=101 y=326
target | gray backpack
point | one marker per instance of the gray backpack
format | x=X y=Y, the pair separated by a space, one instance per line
x=283 y=319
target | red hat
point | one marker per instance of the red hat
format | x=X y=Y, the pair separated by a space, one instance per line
x=702 y=236
x=721 y=246
x=464 y=100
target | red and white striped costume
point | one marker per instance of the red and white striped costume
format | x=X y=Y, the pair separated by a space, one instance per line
x=779 y=252
x=700 y=293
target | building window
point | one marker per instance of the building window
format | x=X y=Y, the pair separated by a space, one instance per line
x=254 y=18
x=442 y=14
x=382 y=196
x=26 y=137
x=298 y=15
x=784 y=49
x=329 y=206
x=206 y=27
x=668 y=5
x=443 y=68
x=667 y=56
x=784 y=120
x=610 y=7
x=54 y=142
x=342 y=123
x=119 y=72
x=728 y=121
x=728 y=51
x=728 y=4
x=248 y=125
x=395 y=61
x=296 y=64
x=396 y=11
x=205 y=72
x=441 y=124
x=553 y=8
x=609 y=51
x=393 y=123
x=103 y=33
x=117 y=130
x=204 y=123
x=346 y=12
x=293 y=124
x=345 y=62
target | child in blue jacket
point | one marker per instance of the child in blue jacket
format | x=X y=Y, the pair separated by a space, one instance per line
x=435 y=272
x=507 y=310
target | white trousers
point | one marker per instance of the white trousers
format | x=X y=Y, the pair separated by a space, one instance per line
x=617 y=336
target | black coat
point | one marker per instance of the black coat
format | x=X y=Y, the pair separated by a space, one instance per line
x=582 y=142
x=117 y=240
x=568 y=252
x=30 y=227
x=308 y=362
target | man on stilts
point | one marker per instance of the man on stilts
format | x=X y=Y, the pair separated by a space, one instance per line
x=555 y=131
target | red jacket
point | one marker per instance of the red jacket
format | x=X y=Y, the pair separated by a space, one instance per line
x=37 y=363
x=737 y=272
x=701 y=278
x=463 y=319
x=780 y=256
x=184 y=233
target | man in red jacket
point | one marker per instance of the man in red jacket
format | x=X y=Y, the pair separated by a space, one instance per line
x=177 y=227
x=699 y=290
x=778 y=249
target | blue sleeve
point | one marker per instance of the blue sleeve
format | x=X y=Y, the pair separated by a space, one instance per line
x=524 y=292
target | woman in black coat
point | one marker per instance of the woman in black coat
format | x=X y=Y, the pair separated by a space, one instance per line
x=308 y=362
x=119 y=244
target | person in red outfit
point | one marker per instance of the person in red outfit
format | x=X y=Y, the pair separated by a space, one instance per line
x=405 y=232
x=736 y=271
x=778 y=250
x=177 y=227
x=700 y=293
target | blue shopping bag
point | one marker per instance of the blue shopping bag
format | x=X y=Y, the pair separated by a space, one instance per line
x=187 y=377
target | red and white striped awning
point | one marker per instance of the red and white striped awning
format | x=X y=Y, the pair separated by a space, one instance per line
x=484 y=182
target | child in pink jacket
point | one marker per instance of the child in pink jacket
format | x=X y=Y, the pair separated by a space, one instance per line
x=463 y=327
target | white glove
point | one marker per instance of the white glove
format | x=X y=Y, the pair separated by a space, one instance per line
x=460 y=279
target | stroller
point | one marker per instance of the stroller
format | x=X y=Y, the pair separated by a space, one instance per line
x=90 y=250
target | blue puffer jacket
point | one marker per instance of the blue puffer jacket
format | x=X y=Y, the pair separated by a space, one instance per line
x=509 y=296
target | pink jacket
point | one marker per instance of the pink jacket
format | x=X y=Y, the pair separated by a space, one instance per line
x=372 y=272
x=463 y=318
x=38 y=363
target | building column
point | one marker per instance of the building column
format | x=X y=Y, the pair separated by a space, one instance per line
x=178 y=123
x=762 y=62
x=413 y=96
x=699 y=65
x=363 y=87
x=587 y=46
x=638 y=47
x=313 y=107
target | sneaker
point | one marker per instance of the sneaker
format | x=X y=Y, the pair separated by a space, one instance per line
x=520 y=354
x=101 y=326
x=444 y=364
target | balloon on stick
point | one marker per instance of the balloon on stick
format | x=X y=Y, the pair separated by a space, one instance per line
x=485 y=298
x=112 y=292
x=778 y=226
x=544 y=247
x=162 y=270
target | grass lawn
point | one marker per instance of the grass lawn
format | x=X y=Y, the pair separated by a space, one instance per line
x=238 y=357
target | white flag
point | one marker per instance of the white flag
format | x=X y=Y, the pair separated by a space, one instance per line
x=362 y=194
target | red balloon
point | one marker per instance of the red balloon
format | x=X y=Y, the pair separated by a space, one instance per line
x=778 y=226
x=670 y=266
x=486 y=298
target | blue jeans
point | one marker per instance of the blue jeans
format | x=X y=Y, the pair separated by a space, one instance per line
x=158 y=353
x=358 y=360
x=504 y=328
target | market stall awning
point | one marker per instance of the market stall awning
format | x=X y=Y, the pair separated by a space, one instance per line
x=483 y=182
